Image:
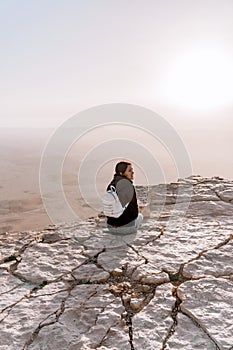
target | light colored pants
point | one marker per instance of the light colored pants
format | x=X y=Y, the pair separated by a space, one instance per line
x=132 y=227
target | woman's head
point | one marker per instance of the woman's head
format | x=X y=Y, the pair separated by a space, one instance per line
x=125 y=169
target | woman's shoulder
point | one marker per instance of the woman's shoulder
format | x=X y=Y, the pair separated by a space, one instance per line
x=125 y=186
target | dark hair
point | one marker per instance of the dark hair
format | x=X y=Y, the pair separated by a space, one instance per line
x=121 y=167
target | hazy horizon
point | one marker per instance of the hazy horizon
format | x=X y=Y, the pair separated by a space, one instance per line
x=208 y=158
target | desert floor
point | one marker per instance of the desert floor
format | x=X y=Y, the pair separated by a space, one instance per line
x=21 y=206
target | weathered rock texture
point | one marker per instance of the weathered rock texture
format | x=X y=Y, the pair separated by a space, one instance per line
x=170 y=286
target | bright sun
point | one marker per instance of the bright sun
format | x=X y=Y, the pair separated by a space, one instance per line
x=201 y=79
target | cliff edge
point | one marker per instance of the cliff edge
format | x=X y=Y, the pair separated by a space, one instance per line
x=170 y=286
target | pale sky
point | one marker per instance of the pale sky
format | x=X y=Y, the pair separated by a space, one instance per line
x=60 y=57
x=172 y=56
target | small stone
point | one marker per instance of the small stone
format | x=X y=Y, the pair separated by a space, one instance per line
x=126 y=298
x=117 y=272
x=145 y=288
x=135 y=304
x=101 y=277
x=155 y=279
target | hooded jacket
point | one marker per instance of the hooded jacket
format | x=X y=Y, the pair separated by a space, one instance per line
x=127 y=194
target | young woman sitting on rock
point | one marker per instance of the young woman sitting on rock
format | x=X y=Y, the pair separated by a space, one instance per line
x=130 y=220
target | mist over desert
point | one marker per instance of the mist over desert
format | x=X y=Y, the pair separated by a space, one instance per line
x=21 y=205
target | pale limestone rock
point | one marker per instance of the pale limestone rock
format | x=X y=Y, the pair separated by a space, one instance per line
x=26 y=315
x=204 y=266
x=75 y=286
x=91 y=315
x=43 y=261
x=116 y=339
x=226 y=195
x=210 y=209
x=8 y=282
x=12 y=297
x=171 y=249
x=101 y=238
x=147 y=273
x=208 y=302
x=11 y=243
x=111 y=258
x=202 y=193
x=189 y=336
x=52 y=237
x=81 y=235
x=91 y=273
x=152 y=324
x=156 y=279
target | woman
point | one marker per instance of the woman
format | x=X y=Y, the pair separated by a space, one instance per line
x=130 y=219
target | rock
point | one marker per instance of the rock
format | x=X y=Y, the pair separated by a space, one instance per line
x=112 y=259
x=117 y=272
x=90 y=273
x=188 y=335
x=148 y=274
x=208 y=303
x=136 y=304
x=226 y=195
x=152 y=324
x=43 y=261
x=89 y=314
x=26 y=315
x=170 y=286
x=183 y=244
x=204 y=266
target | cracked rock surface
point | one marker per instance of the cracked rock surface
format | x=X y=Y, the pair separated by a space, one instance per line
x=170 y=286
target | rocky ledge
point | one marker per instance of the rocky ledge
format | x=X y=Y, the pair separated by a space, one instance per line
x=170 y=286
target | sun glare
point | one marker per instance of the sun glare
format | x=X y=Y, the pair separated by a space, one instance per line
x=201 y=79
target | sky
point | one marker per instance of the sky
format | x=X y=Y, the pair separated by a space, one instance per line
x=172 y=56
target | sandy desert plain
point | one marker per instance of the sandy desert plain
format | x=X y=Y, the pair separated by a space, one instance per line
x=21 y=206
